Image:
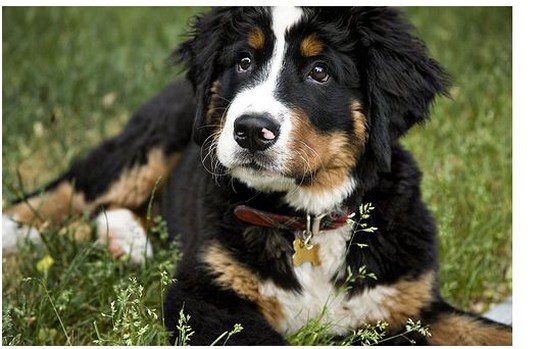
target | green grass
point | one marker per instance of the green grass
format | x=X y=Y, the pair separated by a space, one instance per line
x=73 y=293
x=72 y=76
x=466 y=151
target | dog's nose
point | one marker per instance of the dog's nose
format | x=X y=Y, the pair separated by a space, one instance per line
x=256 y=132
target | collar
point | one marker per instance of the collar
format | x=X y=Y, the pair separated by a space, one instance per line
x=314 y=224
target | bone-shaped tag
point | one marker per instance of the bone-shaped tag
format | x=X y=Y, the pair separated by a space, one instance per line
x=303 y=254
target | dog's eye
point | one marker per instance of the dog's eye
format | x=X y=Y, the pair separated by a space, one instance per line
x=244 y=63
x=319 y=73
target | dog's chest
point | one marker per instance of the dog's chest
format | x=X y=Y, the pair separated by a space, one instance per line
x=320 y=299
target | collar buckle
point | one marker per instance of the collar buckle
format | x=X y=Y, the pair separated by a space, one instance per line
x=313 y=226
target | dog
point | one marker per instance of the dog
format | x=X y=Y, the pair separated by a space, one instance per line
x=278 y=166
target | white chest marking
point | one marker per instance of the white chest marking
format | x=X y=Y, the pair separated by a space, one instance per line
x=320 y=298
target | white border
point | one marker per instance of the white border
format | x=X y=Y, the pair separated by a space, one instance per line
x=526 y=136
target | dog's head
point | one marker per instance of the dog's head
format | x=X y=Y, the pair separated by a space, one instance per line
x=295 y=100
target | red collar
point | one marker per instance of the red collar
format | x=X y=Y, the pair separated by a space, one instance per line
x=253 y=216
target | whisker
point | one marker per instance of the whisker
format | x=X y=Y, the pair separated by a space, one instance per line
x=210 y=144
x=305 y=170
x=223 y=98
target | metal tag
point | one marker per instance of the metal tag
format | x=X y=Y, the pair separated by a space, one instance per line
x=304 y=253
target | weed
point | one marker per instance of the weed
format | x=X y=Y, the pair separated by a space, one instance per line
x=317 y=332
x=76 y=293
x=185 y=331
x=237 y=328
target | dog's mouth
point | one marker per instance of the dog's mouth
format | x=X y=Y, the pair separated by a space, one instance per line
x=258 y=163
x=254 y=167
x=262 y=171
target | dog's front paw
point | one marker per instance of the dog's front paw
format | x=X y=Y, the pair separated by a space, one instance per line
x=123 y=235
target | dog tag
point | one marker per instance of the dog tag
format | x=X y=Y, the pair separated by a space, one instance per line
x=303 y=254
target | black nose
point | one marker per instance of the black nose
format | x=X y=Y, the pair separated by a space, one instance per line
x=256 y=131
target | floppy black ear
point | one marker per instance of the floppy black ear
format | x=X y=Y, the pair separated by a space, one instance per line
x=401 y=79
x=200 y=55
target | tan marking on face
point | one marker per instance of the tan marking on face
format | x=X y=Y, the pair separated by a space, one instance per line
x=51 y=207
x=359 y=121
x=135 y=185
x=311 y=46
x=408 y=300
x=215 y=117
x=231 y=274
x=327 y=158
x=256 y=39
x=456 y=329
x=211 y=111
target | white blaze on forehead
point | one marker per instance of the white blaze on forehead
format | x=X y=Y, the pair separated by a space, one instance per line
x=283 y=18
x=260 y=97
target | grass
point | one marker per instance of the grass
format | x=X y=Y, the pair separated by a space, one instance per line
x=72 y=76
x=466 y=153
x=73 y=293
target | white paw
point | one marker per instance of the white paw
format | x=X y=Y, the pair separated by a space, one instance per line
x=13 y=233
x=123 y=234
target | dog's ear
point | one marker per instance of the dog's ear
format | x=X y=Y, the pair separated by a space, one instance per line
x=401 y=80
x=200 y=55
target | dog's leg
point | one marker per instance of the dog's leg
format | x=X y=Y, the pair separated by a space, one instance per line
x=449 y=326
x=32 y=214
x=212 y=316
x=124 y=234
x=217 y=291
x=120 y=176
x=127 y=191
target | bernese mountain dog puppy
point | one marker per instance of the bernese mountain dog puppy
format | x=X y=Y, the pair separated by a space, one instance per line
x=288 y=124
